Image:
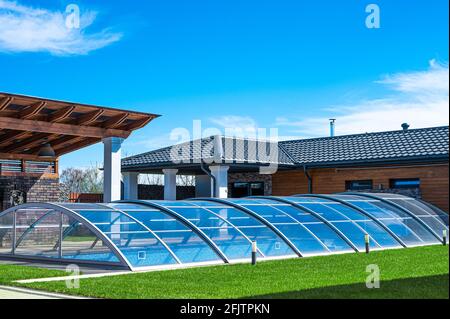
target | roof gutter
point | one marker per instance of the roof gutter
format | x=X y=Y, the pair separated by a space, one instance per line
x=207 y=172
x=377 y=163
x=217 y=158
x=308 y=176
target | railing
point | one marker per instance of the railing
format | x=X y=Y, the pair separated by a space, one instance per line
x=10 y=165
x=27 y=167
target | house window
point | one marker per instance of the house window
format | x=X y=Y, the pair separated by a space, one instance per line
x=257 y=189
x=359 y=185
x=405 y=183
x=243 y=189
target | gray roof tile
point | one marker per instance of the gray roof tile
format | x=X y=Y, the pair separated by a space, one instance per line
x=235 y=151
x=427 y=143
x=393 y=145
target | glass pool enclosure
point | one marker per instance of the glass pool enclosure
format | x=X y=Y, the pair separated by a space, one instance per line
x=141 y=234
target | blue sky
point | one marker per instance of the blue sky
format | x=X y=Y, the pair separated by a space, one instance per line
x=288 y=64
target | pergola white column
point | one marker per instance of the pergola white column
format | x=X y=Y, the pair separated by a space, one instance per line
x=130 y=185
x=111 y=168
x=170 y=184
x=221 y=175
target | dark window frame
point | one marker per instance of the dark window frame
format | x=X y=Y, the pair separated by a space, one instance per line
x=248 y=188
x=349 y=184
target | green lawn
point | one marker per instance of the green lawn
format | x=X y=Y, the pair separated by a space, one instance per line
x=9 y=273
x=405 y=273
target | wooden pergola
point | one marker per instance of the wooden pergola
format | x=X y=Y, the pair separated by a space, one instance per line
x=27 y=123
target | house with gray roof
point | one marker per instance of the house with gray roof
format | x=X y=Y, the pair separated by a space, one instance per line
x=407 y=161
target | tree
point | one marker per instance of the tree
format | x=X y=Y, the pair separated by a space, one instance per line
x=93 y=181
x=186 y=180
x=158 y=179
x=78 y=180
x=151 y=179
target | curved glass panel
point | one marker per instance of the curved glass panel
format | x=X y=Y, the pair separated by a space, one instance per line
x=39 y=231
x=424 y=234
x=439 y=212
x=84 y=206
x=377 y=234
x=157 y=233
x=80 y=243
x=6 y=233
x=137 y=244
x=226 y=237
x=40 y=237
x=300 y=236
x=410 y=231
x=292 y=222
x=26 y=217
x=328 y=237
x=269 y=243
x=434 y=211
x=185 y=243
x=382 y=237
x=437 y=222
x=348 y=221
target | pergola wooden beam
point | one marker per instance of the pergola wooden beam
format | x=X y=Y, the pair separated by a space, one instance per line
x=59 y=128
x=90 y=118
x=115 y=121
x=5 y=102
x=26 y=123
x=56 y=143
x=64 y=141
x=136 y=124
x=61 y=114
x=11 y=136
x=27 y=143
x=32 y=110
x=83 y=143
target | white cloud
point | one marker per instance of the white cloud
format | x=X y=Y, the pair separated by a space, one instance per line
x=418 y=98
x=235 y=125
x=432 y=81
x=146 y=144
x=28 y=29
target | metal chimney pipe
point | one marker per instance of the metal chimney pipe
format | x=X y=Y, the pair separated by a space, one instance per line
x=405 y=126
x=332 y=126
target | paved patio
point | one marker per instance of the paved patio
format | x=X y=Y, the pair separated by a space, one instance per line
x=21 y=293
x=86 y=270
